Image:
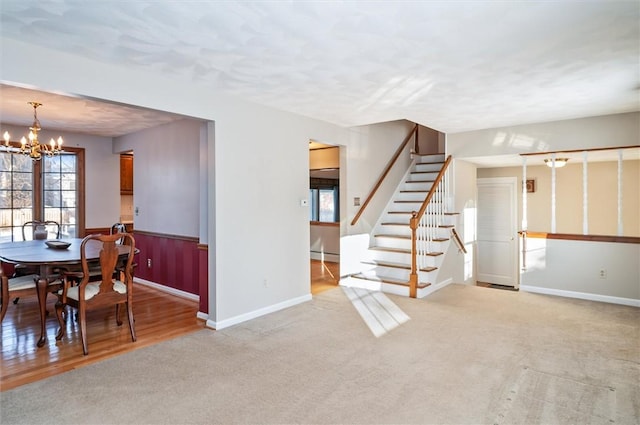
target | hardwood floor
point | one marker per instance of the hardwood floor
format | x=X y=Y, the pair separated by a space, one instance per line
x=324 y=276
x=159 y=316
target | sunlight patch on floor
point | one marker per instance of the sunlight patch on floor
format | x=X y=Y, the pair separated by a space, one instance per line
x=379 y=313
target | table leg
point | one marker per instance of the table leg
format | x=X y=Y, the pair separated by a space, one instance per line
x=41 y=286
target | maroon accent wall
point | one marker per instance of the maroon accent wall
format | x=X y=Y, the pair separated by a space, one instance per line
x=174 y=261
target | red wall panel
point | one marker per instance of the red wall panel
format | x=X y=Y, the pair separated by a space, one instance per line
x=174 y=261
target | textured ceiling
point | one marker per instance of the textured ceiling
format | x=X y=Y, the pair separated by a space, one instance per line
x=452 y=66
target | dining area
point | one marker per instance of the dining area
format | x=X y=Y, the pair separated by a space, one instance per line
x=63 y=302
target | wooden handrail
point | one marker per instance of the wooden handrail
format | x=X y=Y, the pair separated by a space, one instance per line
x=581 y=150
x=384 y=174
x=458 y=241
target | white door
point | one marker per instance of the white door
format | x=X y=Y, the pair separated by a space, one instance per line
x=497 y=234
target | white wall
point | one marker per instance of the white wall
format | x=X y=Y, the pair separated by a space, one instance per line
x=166 y=177
x=257 y=230
x=102 y=172
x=602 y=199
x=564 y=267
x=572 y=268
x=368 y=151
x=584 y=133
x=465 y=201
x=325 y=242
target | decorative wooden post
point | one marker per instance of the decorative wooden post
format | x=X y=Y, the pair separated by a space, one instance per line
x=413 y=277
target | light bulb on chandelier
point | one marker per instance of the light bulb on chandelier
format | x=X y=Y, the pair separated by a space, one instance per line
x=32 y=146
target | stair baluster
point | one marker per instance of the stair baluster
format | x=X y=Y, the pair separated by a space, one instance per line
x=426 y=222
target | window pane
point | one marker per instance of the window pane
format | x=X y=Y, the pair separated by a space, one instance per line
x=68 y=182
x=60 y=197
x=327 y=205
x=313 y=201
x=5 y=179
x=52 y=164
x=68 y=164
x=58 y=200
x=52 y=181
x=22 y=181
x=22 y=163
x=5 y=199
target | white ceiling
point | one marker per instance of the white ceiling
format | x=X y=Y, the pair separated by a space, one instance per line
x=452 y=66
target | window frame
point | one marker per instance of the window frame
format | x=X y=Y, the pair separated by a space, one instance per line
x=38 y=212
x=316 y=186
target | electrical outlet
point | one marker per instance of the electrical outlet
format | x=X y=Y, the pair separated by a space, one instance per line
x=148 y=263
x=603 y=273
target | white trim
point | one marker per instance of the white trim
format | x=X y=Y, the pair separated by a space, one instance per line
x=325 y=256
x=524 y=193
x=620 y=232
x=553 y=193
x=585 y=194
x=257 y=313
x=423 y=292
x=167 y=289
x=202 y=316
x=581 y=295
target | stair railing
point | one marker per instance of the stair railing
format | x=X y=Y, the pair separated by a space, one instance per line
x=424 y=225
x=414 y=149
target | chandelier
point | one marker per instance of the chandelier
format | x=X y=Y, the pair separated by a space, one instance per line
x=32 y=146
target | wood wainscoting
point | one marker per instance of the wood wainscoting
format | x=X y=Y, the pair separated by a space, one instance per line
x=169 y=260
x=178 y=262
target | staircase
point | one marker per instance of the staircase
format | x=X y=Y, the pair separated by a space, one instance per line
x=387 y=264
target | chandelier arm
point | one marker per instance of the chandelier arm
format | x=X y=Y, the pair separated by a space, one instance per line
x=33 y=147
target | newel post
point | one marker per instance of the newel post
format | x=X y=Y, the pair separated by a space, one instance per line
x=413 y=277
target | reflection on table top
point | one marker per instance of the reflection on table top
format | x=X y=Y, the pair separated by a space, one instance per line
x=37 y=252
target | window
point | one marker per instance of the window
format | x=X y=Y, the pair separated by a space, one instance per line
x=48 y=189
x=324 y=196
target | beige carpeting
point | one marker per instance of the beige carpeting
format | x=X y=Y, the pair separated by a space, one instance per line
x=467 y=355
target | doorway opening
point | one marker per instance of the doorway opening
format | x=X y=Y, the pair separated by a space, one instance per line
x=324 y=215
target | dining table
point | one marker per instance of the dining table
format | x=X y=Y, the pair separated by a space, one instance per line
x=48 y=259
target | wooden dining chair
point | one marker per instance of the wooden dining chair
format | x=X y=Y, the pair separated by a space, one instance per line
x=118 y=228
x=20 y=286
x=35 y=230
x=112 y=288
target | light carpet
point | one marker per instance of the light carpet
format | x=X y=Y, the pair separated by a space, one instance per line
x=467 y=355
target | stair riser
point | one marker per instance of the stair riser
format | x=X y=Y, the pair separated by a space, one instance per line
x=410 y=196
x=438 y=157
x=391 y=257
x=397 y=218
x=392 y=243
x=401 y=258
x=388 y=272
x=382 y=240
x=421 y=186
x=428 y=176
x=428 y=167
x=395 y=230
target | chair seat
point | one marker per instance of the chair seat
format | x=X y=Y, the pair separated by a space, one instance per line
x=92 y=289
x=22 y=282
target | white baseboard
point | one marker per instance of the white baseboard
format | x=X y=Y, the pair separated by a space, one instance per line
x=202 y=316
x=167 y=289
x=433 y=288
x=257 y=313
x=581 y=295
x=324 y=256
